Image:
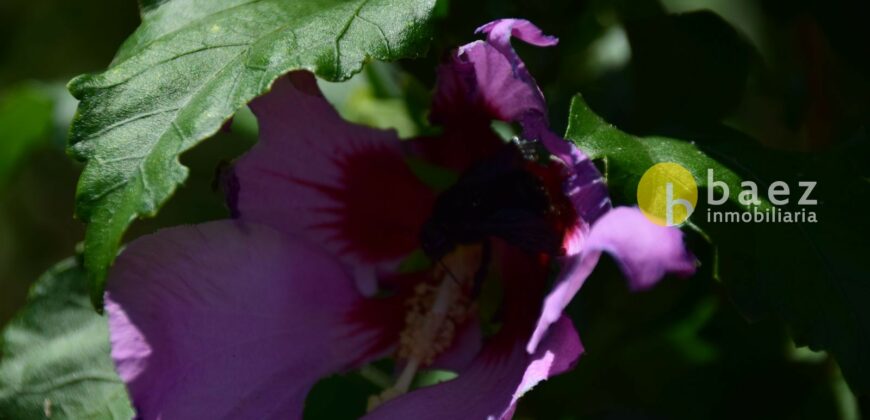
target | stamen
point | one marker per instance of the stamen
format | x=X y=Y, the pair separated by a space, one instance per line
x=434 y=312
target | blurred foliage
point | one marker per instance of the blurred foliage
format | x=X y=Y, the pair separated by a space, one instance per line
x=382 y=96
x=25 y=118
x=773 y=89
x=42 y=44
x=55 y=40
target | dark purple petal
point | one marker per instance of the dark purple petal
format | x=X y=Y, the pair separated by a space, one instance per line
x=344 y=186
x=506 y=94
x=456 y=101
x=231 y=320
x=644 y=251
x=557 y=354
x=491 y=386
x=584 y=186
x=488 y=80
x=499 y=33
x=463 y=350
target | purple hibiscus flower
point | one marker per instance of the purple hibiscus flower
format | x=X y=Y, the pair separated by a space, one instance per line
x=239 y=318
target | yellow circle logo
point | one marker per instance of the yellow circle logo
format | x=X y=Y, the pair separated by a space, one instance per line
x=667 y=194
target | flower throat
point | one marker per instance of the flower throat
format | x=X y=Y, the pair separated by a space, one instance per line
x=496 y=198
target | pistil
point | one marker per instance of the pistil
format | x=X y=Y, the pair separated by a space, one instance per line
x=434 y=312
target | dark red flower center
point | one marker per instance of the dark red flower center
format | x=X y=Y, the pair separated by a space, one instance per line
x=511 y=195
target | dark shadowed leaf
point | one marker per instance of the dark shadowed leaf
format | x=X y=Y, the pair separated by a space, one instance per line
x=686 y=68
x=812 y=276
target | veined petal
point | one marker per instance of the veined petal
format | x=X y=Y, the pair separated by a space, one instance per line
x=644 y=251
x=232 y=320
x=557 y=354
x=584 y=186
x=344 y=186
x=488 y=80
x=492 y=385
x=500 y=31
x=466 y=346
x=503 y=371
x=499 y=34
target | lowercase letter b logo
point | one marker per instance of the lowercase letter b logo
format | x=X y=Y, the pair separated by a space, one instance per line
x=667 y=194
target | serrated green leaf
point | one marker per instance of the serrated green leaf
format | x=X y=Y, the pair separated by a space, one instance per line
x=55 y=355
x=186 y=70
x=627 y=157
x=812 y=276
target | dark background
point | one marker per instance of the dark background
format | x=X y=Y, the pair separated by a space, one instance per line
x=786 y=76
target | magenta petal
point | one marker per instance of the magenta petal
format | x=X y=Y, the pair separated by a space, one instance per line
x=644 y=251
x=557 y=354
x=507 y=94
x=491 y=386
x=574 y=273
x=466 y=345
x=344 y=186
x=488 y=79
x=499 y=33
x=230 y=320
x=584 y=186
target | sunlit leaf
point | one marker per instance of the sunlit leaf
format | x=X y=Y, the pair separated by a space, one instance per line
x=627 y=157
x=186 y=70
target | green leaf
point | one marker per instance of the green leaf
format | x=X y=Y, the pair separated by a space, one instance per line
x=186 y=70
x=25 y=121
x=55 y=355
x=812 y=276
x=627 y=157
